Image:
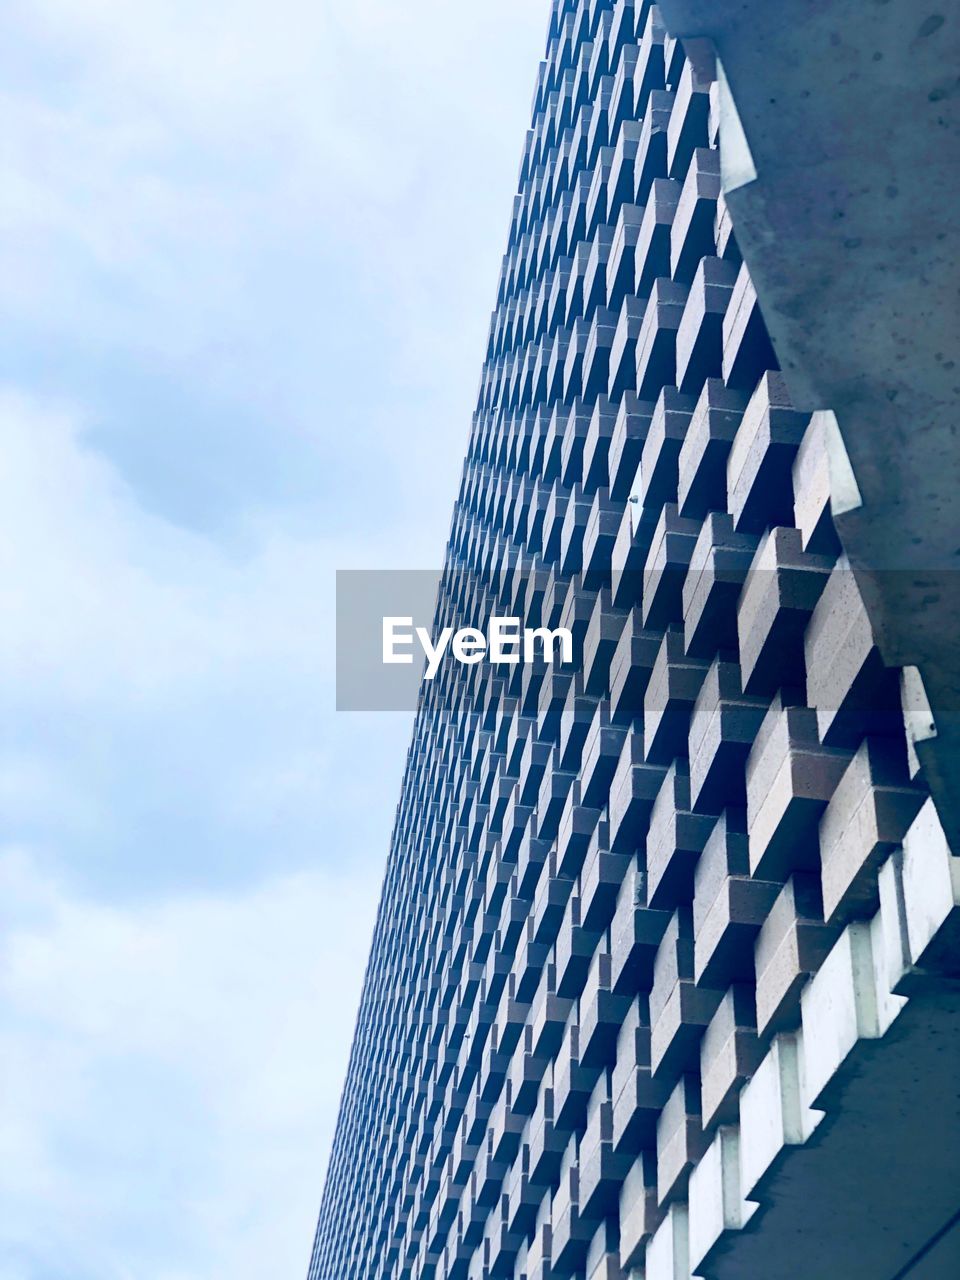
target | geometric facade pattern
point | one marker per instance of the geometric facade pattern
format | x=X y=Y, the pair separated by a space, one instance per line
x=615 y=892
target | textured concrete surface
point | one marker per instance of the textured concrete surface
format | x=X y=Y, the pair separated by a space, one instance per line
x=852 y=119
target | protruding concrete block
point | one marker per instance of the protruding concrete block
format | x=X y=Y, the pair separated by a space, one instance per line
x=790 y=947
x=718 y=568
x=747 y=350
x=680 y=1140
x=671 y=693
x=626 y=443
x=573 y=1081
x=759 y=468
x=730 y=1053
x=772 y=1113
x=602 y=1169
x=600 y=642
x=601 y=1013
x=571 y=1234
x=640 y=1215
x=657 y=340
x=623 y=347
x=729 y=906
x=692 y=232
x=706 y=447
x=651 y=161
x=811 y=488
x=603 y=1254
x=633 y=790
x=661 y=449
x=638 y=1099
x=715 y=1202
x=675 y=840
x=621 y=266
x=853 y=692
x=650 y=69
x=723 y=725
x=783 y=585
x=630 y=553
x=839 y=1008
x=600 y=880
x=630 y=667
x=727 y=246
x=866 y=819
x=574 y=947
x=931 y=894
x=679 y=1009
x=652 y=256
x=635 y=934
x=691 y=110
x=790 y=779
x=700 y=333
x=665 y=568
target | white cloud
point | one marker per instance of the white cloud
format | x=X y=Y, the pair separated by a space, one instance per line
x=186 y=1058
x=247 y=254
x=294 y=211
x=176 y=1017
x=161 y=693
x=102 y=599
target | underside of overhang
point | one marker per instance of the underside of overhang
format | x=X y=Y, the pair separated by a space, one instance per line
x=840 y=149
x=851 y=113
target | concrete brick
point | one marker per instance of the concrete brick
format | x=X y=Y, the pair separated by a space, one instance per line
x=790 y=947
x=759 y=467
x=674 y=842
x=668 y=1253
x=692 y=231
x=730 y=1052
x=657 y=476
x=657 y=339
x=706 y=447
x=718 y=568
x=680 y=1140
x=716 y=1204
x=772 y=1114
x=847 y=682
x=700 y=332
x=866 y=819
x=790 y=779
x=729 y=906
x=782 y=588
x=640 y=1215
x=665 y=568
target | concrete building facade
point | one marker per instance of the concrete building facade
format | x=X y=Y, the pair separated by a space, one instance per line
x=665 y=981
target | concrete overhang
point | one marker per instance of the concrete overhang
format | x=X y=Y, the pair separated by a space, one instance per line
x=850 y=111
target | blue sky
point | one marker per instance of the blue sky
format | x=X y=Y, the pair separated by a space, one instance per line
x=248 y=253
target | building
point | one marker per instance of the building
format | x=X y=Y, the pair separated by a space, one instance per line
x=664 y=981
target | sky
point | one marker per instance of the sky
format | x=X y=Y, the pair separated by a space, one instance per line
x=248 y=254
